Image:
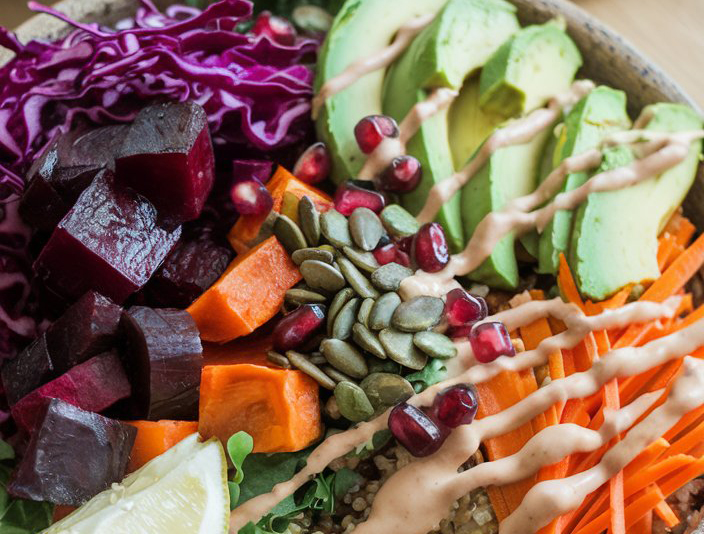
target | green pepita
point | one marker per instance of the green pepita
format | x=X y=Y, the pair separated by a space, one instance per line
x=298 y=297
x=389 y=277
x=345 y=319
x=336 y=375
x=383 y=366
x=309 y=220
x=356 y=279
x=367 y=340
x=289 y=234
x=398 y=222
x=365 y=228
x=365 y=311
x=383 y=310
x=435 y=345
x=400 y=348
x=319 y=254
x=344 y=357
x=385 y=389
x=364 y=260
x=278 y=359
x=335 y=228
x=418 y=314
x=300 y=362
x=336 y=305
x=353 y=402
x=319 y=275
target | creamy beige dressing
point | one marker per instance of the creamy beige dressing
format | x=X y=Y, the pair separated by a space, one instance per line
x=380 y=60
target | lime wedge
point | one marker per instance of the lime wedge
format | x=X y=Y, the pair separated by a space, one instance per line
x=183 y=491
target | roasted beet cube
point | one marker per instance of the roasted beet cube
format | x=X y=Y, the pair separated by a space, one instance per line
x=89 y=327
x=191 y=268
x=73 y=456
x=64 y=169
x=93 y=385
x=30 y=369
x=164 y=358
x=167 y=156
x=109 y=242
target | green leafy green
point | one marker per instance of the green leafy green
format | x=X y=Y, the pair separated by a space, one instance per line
x=378 y=440
x=435 y=371
x=239 y=446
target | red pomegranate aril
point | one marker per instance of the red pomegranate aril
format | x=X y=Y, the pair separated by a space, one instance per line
x=462 y=308
x=298 y=327
x=251 y=198
x=489 y=341
x=314 y=164
x=391 y=253
x=278 y=29
x=415 y=430
x=430 y=248
x=372 y=130
x=455 y=406
x=349 y=197
x=405 y=244
x=402 y=176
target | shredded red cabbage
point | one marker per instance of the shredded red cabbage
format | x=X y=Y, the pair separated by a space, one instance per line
x=256 y=94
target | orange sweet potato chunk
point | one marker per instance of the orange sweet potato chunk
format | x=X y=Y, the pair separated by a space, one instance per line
x=250 y=229
x=279 y=408
x=248 y=294
x=251 y=349
x=155 y=438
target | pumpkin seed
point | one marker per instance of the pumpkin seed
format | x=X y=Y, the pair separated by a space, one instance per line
x=309 y=220
x=385 y=389
x=317 y=358
x=389 y=277
x=303 y=296
x=418 y=314
x=335 y=228
x=278 y=359
x=383 y=366
x=398 y=222
x=357 y=280
x=319 y=275
x=365 y=228
x=400 y=348
x=383 y=310
x=342 y=326
x=319 y=254
x=364 y=260
x=289 y=234
x=289 y=206
x=336 y=375
x=364 y=311
x=353 y=402
x=300 y=362
x=435 y=345
x=329 y=248
x=344 y=357
x=367 y=340
x=336 y=305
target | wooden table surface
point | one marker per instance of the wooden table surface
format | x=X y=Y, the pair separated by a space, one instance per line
x=669 y=31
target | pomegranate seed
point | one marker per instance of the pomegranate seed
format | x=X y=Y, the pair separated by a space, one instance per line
x=415 y=430
x=278 y=29
x=391 y=253
x=430 y=248
x=251 y=169
x=402 y=176
x=251 y=198
x=372 y=130
x=455 y=406
x=349 y=197
x=314 y=164
x=462 y=309
x=405 y=244
x=297 y=327
x=489 y=341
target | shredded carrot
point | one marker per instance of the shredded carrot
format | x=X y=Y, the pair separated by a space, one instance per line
x=644 y=525
x=633 y=511
x=681 y=227
x=666 y=247
x=498 y=503
x=617 y=300
x=678 y=274
x=567 y=285
x=688 y=441
x=664 y=512
x=672 y=483
x=693 y=417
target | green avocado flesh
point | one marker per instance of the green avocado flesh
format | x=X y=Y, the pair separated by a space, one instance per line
x=614 y=240
x=513 y=171
x=361 y=29
x=601 y=112
x=458 y=42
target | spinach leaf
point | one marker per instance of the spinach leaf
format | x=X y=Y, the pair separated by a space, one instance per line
x=435 y=371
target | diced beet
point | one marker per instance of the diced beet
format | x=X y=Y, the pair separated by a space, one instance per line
x=64 y=169
x=164 y=359
x=88 y=328
x=73 y=456
x=28 y=370
x=93 y=385
x=168 y=157
x=109 y=242
x=191 y=268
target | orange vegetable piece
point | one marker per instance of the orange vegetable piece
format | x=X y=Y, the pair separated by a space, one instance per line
x=250 y=349
x=155 y=438
x=248 y=294
x=279 y=408
x=249 y=230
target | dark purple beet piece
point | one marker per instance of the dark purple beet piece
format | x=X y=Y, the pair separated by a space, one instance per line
x=191 y=268
x=164 y=358
x=109 y=242
x=73 y=456
x=167 y=156
x=41 y=206
x=93 y=385
x=88 y=327
x=28 y=370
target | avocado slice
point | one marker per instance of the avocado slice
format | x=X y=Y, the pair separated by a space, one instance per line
x=601 y=112
x=529 y=69
x=458 y=42
x=513 y=171
x=614 y=241
x=361 y=29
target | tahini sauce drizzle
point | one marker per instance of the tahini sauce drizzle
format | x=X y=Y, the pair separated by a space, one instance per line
x=381 y=60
